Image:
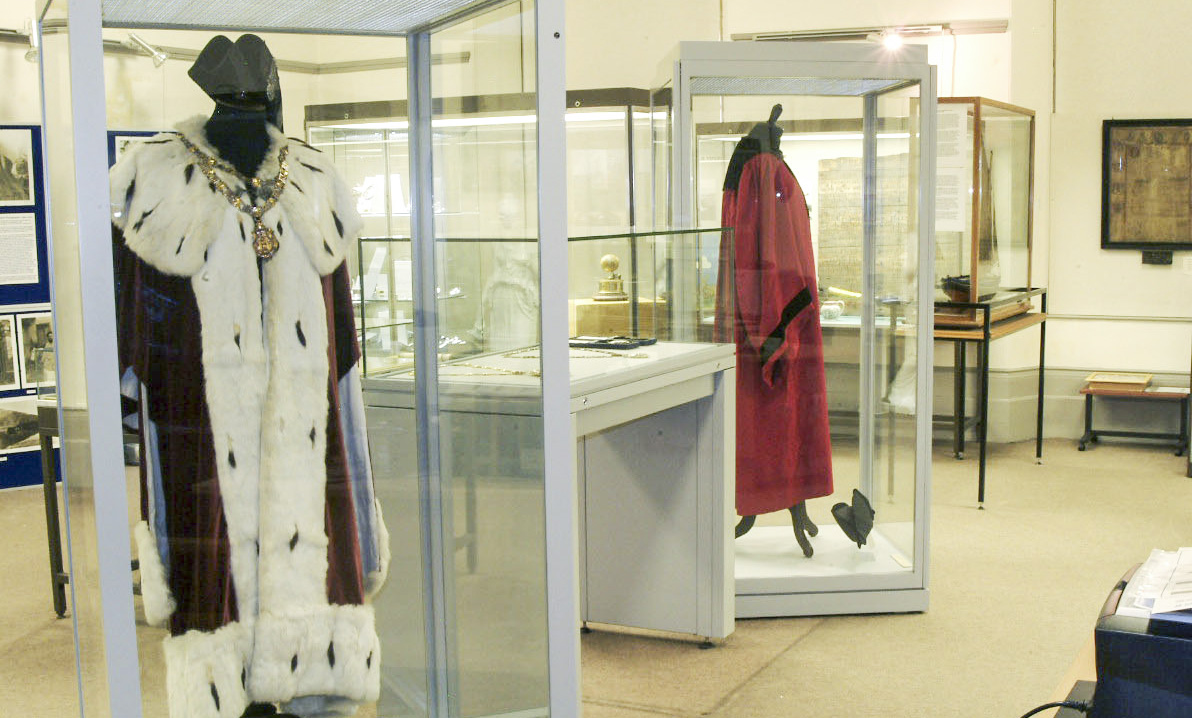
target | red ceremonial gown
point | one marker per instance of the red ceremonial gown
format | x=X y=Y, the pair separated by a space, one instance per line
x=783 y=441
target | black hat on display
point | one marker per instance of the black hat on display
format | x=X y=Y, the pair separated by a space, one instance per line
x=241 y=75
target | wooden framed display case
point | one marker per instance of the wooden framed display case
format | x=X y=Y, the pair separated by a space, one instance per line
x=858 y=129
x=984 y=208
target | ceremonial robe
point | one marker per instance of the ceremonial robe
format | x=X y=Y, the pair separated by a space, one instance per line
x=261 y=536
x=783 y=441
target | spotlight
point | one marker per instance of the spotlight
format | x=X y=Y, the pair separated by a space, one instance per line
x=892 y=39
x=136 y=42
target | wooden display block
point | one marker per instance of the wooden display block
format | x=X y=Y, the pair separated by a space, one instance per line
x=945 y=317
x=613 y=319
x=1118 y=381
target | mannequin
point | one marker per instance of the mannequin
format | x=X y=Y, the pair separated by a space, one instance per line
x=261 y=536
x=783 y=443
x=242 y=79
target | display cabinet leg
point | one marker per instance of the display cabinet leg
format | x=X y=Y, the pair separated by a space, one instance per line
x=584 y=628
x=707 y=643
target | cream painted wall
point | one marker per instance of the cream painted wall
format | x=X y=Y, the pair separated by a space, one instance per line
x=620 y=43
x=1113 y=61
x=20 y=102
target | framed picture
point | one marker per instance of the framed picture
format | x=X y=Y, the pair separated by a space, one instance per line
x=35 y=337
x=18 y=426
x=16 y=167
x=9 y=375
x=120 y=140
x=1146 y=184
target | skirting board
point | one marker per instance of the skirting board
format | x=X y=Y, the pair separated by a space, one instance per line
x=830 y=604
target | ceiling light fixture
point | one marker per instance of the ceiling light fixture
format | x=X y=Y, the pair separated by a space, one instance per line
x=892 y=39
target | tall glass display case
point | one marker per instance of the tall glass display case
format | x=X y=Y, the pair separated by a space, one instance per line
x=857 y=130
x=984 y=208
x=442 y=626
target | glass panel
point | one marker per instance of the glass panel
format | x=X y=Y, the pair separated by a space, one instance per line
x=892 y=489
x=490 y=421
x=1006 y=139
x=393 y=17
x=213 y=426
x=75 y=453
x=864 y=261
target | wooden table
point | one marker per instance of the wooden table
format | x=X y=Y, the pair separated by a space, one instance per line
x=982 y=336
x=1154 y=394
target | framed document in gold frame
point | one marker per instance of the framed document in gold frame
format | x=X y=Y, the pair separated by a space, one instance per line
x=1146 y=184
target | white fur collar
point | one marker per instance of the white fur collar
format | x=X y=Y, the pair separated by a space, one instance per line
x=170 y=215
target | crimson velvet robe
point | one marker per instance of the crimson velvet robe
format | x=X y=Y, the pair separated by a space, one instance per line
x=783 y=440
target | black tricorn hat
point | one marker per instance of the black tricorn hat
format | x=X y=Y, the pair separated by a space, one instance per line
x=242 y=74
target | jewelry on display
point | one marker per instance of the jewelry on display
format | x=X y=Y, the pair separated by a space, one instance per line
x=596 y=354
x=264 y=241
x=490 y=370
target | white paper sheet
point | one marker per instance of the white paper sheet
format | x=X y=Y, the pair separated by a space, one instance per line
x=18 y=246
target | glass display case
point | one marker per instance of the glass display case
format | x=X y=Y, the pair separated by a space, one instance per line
x=442 y=626
x=651 y=414
x=608 y=159
x=621 y=288
x=856 y=126
x=983 y=208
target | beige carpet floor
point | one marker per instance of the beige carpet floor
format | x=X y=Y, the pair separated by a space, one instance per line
x=1015 y=590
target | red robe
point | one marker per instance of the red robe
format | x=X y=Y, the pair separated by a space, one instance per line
x=783 y=440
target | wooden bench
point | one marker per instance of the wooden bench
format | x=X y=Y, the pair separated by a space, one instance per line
x=1168 y=394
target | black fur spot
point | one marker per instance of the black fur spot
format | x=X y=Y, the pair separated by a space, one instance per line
x=294 y=540
x=339 y=226
x=244 y=677
x=179 y=250
x=312 y=436
x=368 y=661
x=236 y=338
x=204 y=255
x=215 y=696
x=243 y=236
x=301 y=336
x=328 y=248
x=331 y=653
x=145 y=215
x=211 y=186
x=157 y=142
x=188 y=172
x=312 y=168
x=128 y=193
x=280 y=232
x=295 y=186
x=294 y=663
x=232 y=458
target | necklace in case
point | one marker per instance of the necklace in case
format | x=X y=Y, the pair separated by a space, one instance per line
x=264 y=239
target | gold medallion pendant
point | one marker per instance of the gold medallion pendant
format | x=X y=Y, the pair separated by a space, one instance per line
x=264 y=240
